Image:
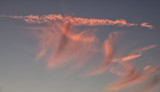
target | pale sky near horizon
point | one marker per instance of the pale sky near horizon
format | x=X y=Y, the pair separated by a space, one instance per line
x=19 y=46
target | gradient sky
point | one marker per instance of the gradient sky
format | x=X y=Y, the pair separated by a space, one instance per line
x=19 y=47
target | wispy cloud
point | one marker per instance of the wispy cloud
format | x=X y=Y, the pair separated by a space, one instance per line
x=145 y=24
x=109 y=50
x=135 y=53
x=72 y=20
x=72 y=45
x=65 y=44
x=132 y=77
x=78 y=21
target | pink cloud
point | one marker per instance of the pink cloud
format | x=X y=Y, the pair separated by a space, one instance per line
x=108 y=53
x=72 y=20
x=145 y=24
x=132 y=77
x=135 y=53
x=65 y=44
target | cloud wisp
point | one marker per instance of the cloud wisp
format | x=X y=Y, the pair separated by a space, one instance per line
x=109 y=50
x=71 y=20
x=131 y=76
x=135 y=53
x=147 y=25
x=78 y=21
x=65 y=44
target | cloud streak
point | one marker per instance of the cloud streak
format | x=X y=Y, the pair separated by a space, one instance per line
x=135 y=53
x=132 y=77
x=147 y=25
x=72 y=20
x=78 y=21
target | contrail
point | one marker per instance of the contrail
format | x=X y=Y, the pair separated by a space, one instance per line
x=78 y=21
x=72 y=20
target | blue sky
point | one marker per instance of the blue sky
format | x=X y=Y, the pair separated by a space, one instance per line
x=21 y=42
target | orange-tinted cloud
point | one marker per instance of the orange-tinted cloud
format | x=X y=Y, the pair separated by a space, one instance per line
x=78 y=21
x=62 y=44
x=71 y=20
x=45 y=39
x=132 y=77
x=135 y=53
x=145 y=24
x=65 y=44
x=109 y=50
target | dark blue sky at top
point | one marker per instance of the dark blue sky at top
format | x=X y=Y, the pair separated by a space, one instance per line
x=132 y=10
x=135 y=11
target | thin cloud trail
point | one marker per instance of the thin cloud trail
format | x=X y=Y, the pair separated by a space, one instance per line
x=147 y=25
x=135 y=53
x=72 y=20
x=78 y=21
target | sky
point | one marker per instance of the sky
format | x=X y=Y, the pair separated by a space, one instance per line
x=79 y=46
